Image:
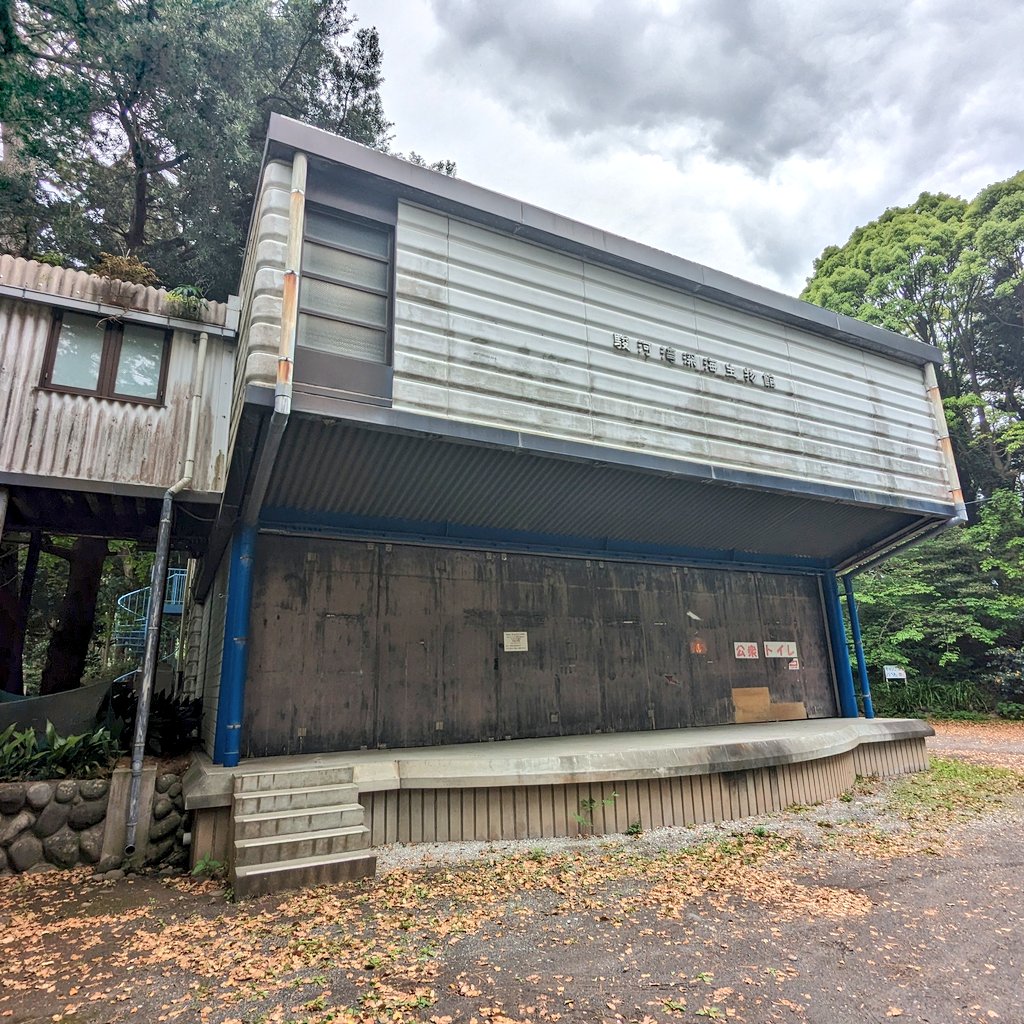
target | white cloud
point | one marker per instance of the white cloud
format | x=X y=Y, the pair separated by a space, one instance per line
x=744 y=135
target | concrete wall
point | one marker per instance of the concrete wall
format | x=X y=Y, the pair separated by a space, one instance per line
x=104 y=441
x=493 y=330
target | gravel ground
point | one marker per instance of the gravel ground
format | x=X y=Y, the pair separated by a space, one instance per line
x=994 y=743
x=849 y=912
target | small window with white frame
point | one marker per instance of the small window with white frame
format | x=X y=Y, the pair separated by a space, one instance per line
x=105 y=358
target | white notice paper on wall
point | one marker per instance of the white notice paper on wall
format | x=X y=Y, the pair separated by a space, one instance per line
x=515 y=642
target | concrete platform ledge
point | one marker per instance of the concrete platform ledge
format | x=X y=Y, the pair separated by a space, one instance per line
x=533 y=788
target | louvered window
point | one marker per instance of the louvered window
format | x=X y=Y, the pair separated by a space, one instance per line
x=344 y=301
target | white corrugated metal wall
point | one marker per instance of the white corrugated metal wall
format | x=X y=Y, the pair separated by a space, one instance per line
x=490 y=329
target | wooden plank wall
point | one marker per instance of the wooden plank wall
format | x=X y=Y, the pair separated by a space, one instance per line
x=536 y=812
x=358 y=644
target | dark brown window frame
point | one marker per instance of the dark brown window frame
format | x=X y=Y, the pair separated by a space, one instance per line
x=113 y=337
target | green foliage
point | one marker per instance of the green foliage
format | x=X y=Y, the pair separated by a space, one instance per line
x=942 y=610
x=950 y=273
x=955 y=788
x=140 y=127
x=187 y=301
x=127 y=568
x=50 y=259
x=209 y=867
x=26 y=755
x=173 y=721
x=1010 y=709
x=124 y=268
x=1006 y=673
x=585 y=816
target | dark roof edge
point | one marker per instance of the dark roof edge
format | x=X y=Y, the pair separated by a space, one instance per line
x=453 y=195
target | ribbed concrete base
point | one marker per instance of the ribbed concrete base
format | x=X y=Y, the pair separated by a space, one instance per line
x=535 y=812
x=593 y=784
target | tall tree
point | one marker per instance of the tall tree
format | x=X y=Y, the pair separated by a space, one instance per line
x=949 y=273
x=139 y=124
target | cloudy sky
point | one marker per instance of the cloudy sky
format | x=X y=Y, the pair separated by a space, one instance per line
x=744 y=134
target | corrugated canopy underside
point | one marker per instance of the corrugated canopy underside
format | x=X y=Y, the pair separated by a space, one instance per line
x=331 y=472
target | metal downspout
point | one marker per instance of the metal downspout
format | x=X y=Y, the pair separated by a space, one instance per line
x=158 y=585
x=858 y=646
x=840 y=648
x=231 y=702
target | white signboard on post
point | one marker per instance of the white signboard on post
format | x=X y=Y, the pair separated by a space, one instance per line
x=894 y=672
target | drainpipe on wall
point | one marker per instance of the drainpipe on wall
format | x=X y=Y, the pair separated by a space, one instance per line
x=156 y=600
x=3 y=509
x=231 y=703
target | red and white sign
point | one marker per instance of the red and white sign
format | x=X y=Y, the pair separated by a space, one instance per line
x=746 y=651
x=794 y=665
x=780 y=649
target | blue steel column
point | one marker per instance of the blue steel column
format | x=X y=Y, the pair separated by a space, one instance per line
x=858 y=646
x=840 y=648
x=231 y=703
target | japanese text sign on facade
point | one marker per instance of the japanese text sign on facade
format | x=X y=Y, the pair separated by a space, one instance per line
x=671 y=356
x=746 y=650
x=780 y=649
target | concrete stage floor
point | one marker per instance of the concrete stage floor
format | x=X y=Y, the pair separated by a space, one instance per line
x=568 y=760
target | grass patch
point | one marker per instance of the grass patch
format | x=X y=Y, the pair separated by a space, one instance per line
x=955 y=787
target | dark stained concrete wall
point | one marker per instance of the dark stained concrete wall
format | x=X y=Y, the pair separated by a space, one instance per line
x=364 y=644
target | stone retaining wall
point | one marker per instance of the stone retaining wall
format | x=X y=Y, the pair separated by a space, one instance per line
x=68 y=823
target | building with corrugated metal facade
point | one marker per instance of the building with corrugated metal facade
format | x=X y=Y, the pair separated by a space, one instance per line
x=504 y=477
x=98 y=379
x=494 y=475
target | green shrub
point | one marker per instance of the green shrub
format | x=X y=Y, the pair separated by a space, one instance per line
x=920 y=697
x=124 y=268
x=1010 y=709
x=50 y=258
x=187 y=302
x=26 y=755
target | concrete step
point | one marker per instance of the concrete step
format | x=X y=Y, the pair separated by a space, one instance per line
x=293 y=799
x=260 y=879
x=301 y=845
x=298 y=819
x=292 y=778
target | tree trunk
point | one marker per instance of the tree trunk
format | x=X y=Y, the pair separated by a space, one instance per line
x=69 y=644
x=10 y=666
